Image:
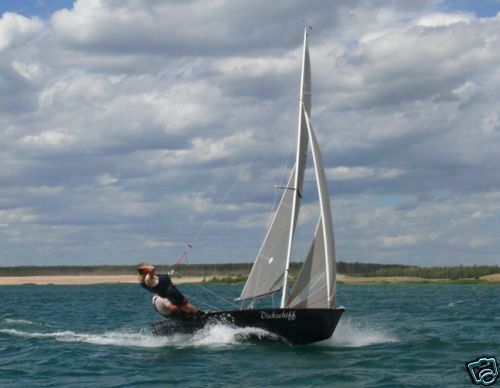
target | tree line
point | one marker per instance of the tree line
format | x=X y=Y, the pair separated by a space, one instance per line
x=241 y=270
x=456 y=272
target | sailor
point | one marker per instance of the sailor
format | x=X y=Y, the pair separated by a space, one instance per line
x=167 y=299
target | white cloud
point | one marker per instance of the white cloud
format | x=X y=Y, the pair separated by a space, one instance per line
x=478 y=215
x=16 y=216
x=30 y=71
x=465 y=91
x=478 y=242
x=439 y=19
x=53 y=139
x=124 y=124
x=397 y=241
x=346 y=173
x=107 y=180
x=159 y=244
x=204 y=150
x=197 y=203
x=244 y=67
x=16 y=29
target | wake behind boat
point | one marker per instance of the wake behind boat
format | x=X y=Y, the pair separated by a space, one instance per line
x=307 y=313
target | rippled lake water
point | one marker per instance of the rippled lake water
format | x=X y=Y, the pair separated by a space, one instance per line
x=99 y=336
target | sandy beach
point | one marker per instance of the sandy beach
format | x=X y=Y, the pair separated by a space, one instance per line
x=492 y=278
x=128 y=279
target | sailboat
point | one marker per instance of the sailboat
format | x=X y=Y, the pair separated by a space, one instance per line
x=307 y=312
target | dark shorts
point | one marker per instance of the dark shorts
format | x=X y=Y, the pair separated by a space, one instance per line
x=175 y=296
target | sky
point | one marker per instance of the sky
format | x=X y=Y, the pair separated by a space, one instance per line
x=130 y=128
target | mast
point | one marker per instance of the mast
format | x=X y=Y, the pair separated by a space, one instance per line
x=302 y=140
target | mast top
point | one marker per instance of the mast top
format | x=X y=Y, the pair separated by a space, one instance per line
x=307 y=28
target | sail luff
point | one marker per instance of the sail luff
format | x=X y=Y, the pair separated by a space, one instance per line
x=302 y=141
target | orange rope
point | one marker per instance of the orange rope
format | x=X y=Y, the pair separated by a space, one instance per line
x=183 y=255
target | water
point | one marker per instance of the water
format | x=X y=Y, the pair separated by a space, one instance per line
x=98 y=336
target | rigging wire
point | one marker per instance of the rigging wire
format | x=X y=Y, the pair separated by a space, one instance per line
x=218 y=296
x=199 y=302
x=212 y=307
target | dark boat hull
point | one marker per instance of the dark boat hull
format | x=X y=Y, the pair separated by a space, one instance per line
x=296 y=326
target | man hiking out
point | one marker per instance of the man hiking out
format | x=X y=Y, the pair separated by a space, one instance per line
x=167 y=299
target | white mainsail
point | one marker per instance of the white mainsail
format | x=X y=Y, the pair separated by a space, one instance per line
x=315 y=286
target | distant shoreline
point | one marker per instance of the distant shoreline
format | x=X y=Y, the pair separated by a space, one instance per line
x=354 y=272
x=84 y=280
x=344 y=279
x=132 y=279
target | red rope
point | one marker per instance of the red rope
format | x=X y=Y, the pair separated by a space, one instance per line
x=183 y=255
